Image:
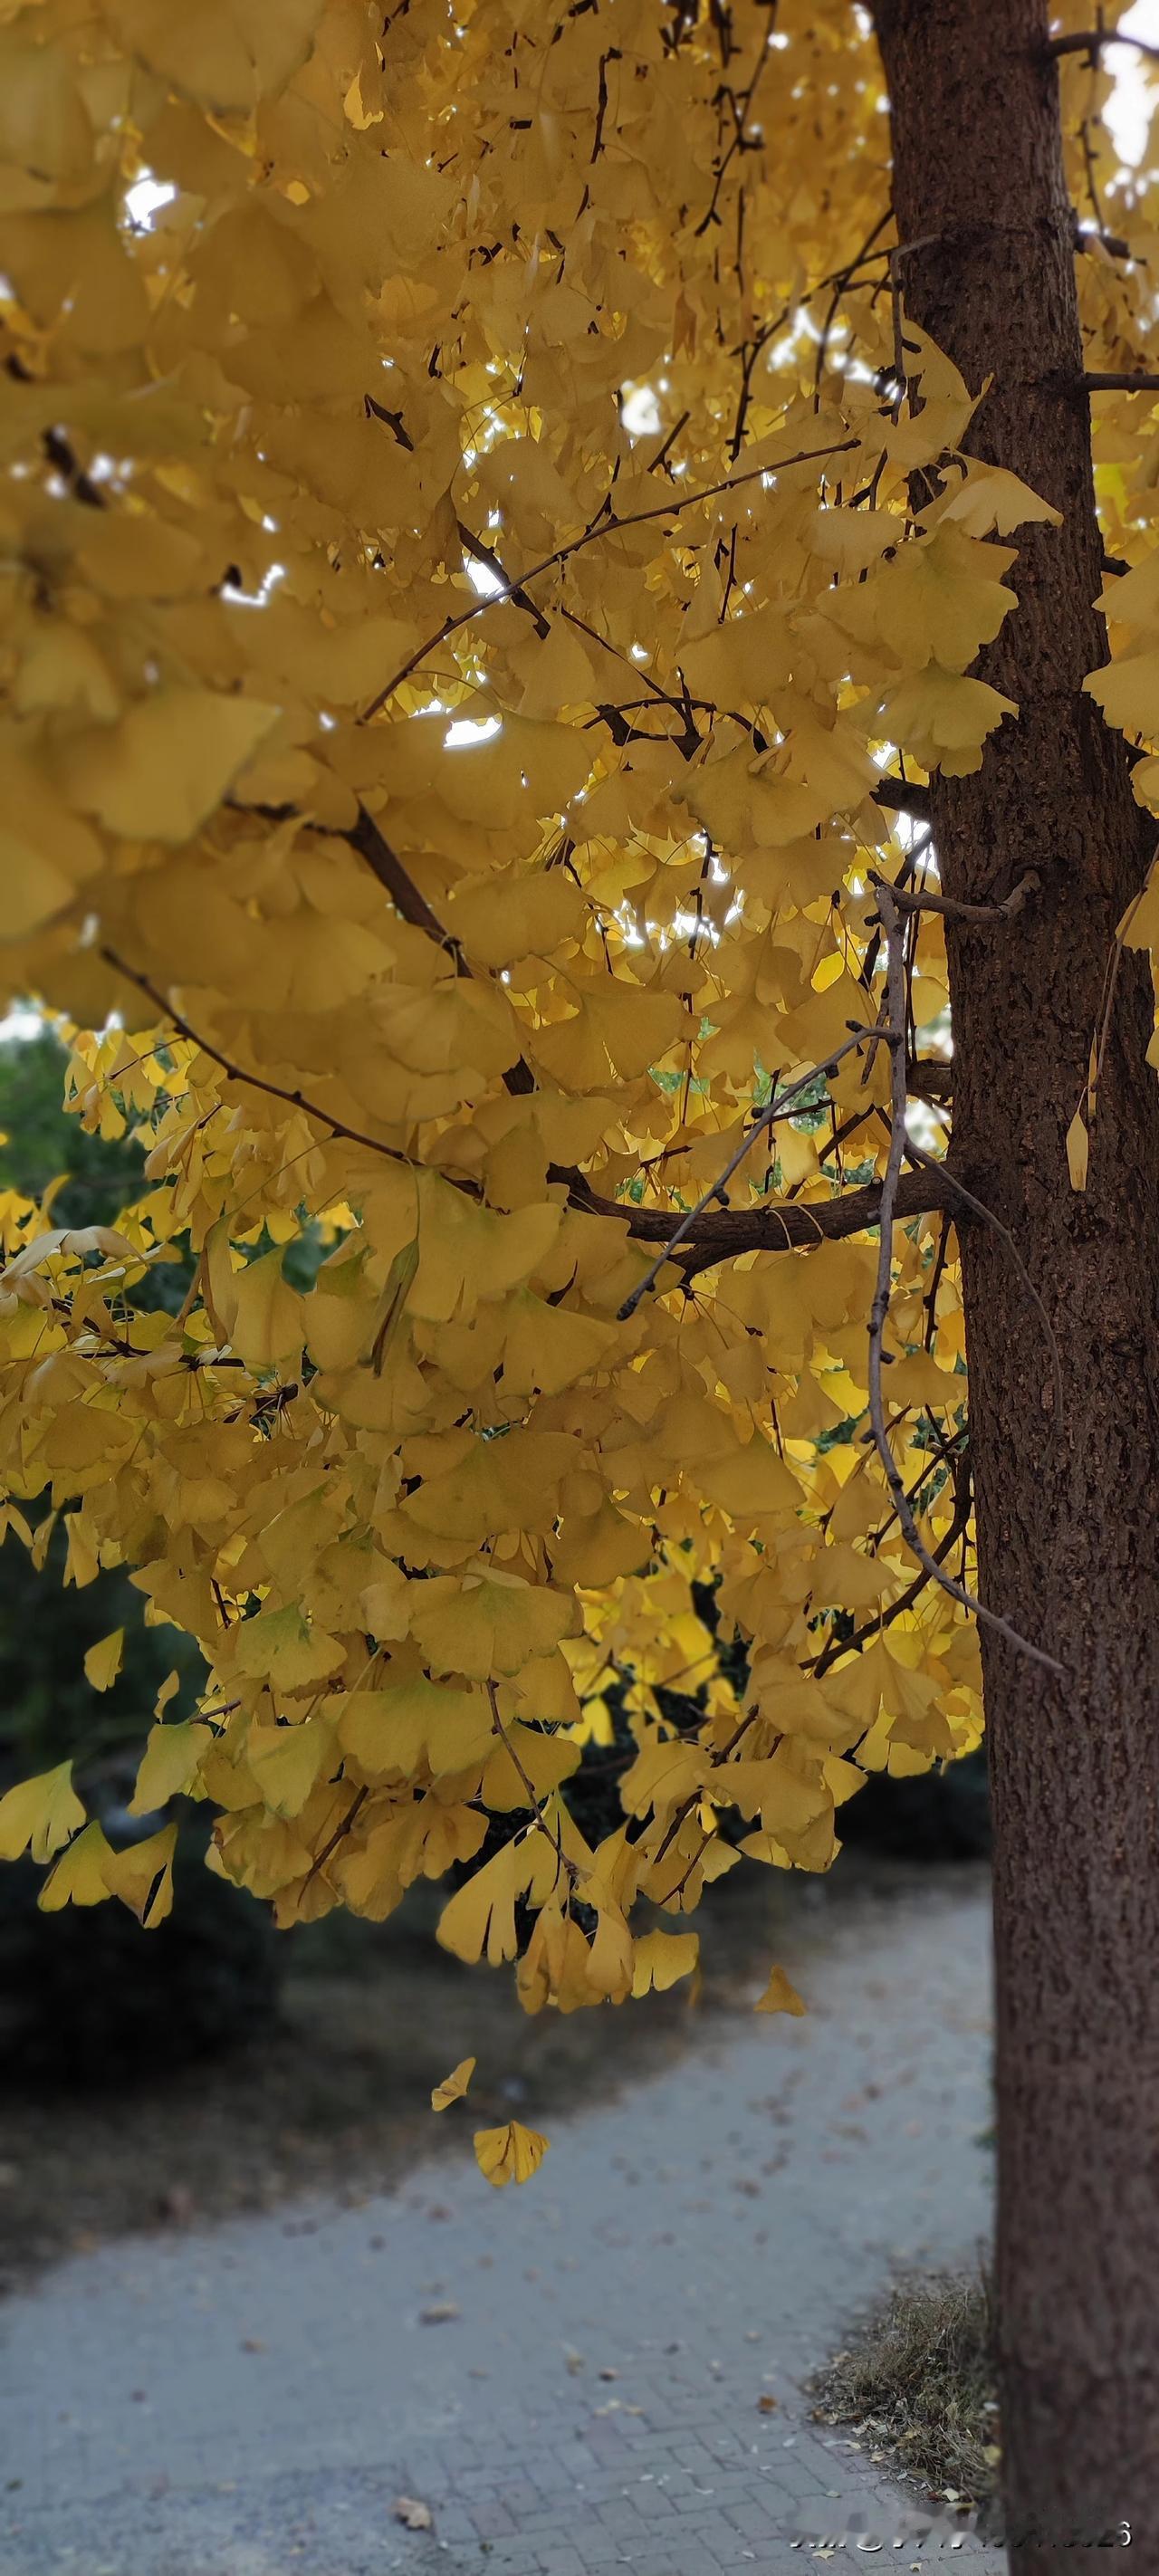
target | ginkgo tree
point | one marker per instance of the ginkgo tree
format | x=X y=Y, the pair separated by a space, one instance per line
x=556 y=623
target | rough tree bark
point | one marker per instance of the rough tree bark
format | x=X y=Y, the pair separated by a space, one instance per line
x=1067 y=1542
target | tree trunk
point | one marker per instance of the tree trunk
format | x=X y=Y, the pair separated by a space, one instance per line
x=1067 y=1544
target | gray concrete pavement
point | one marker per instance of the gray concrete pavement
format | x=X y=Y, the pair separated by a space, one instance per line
x=250 y=2401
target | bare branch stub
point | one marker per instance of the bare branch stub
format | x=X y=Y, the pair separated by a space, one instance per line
x=913 y=899
x=1092 y=41
x=1102 y=382
x=899 y=796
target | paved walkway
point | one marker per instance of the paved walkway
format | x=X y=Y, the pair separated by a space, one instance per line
x=575 y=2376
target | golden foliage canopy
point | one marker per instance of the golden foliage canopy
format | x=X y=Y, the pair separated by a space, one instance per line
x=487 y=570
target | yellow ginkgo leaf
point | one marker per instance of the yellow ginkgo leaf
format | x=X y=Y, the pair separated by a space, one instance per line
x=485 y=1624
x=168 y=1765
x=79 y=1876
x=509 y=2154
x=168 y=1690
x=481 y=1914
x=286 y=1761
x=939 y=600
x=661 y=1959
x=1132 y=598
x=990 y=499
x=395 y=1729
x=944 y=719
x=1128 y=693
x=142 y=1876
x=454 y=2085
x=267 y=1327
x=1139 y=927
x=160 y=772
x=1078 y=1147
x=103 y=1661
x=39 y=1815
x=779 y=1995
x=280 y=1647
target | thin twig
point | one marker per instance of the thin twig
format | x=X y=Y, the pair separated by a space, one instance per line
x=238 y=1072
x=894 y=1036
x=338 y=1836
x=604 y=524
x=716 y=1761
x=872 y=1628
x=1102 y=1034
x=931 y=1077
x=553 y=1832
x=485 y=554
x=977 y=1207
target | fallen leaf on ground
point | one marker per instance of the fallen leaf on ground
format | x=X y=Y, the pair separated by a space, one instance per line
x=440 y=2315
x=416 y=2515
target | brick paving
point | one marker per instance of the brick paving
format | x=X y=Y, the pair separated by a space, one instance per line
x=236 y=2405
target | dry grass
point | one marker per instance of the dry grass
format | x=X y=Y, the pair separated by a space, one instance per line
x=920 y=2379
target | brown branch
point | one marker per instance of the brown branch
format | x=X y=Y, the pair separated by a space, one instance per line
x=1093 y=41
x=719 y=1235
x=930 y=1077
x=778 y=1105
x=711 y=1235
x=667 y=444
x=716 y=1234
x=613 y=55
x=372 y=845
x=338 y=1836
x=59 y=452
x=513 y=590
x=392 y=420
x=914 y=899
x=1119 y=384
x=739 y=141
x=780 y=1225
x=899 y=797
x=1087 y=235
